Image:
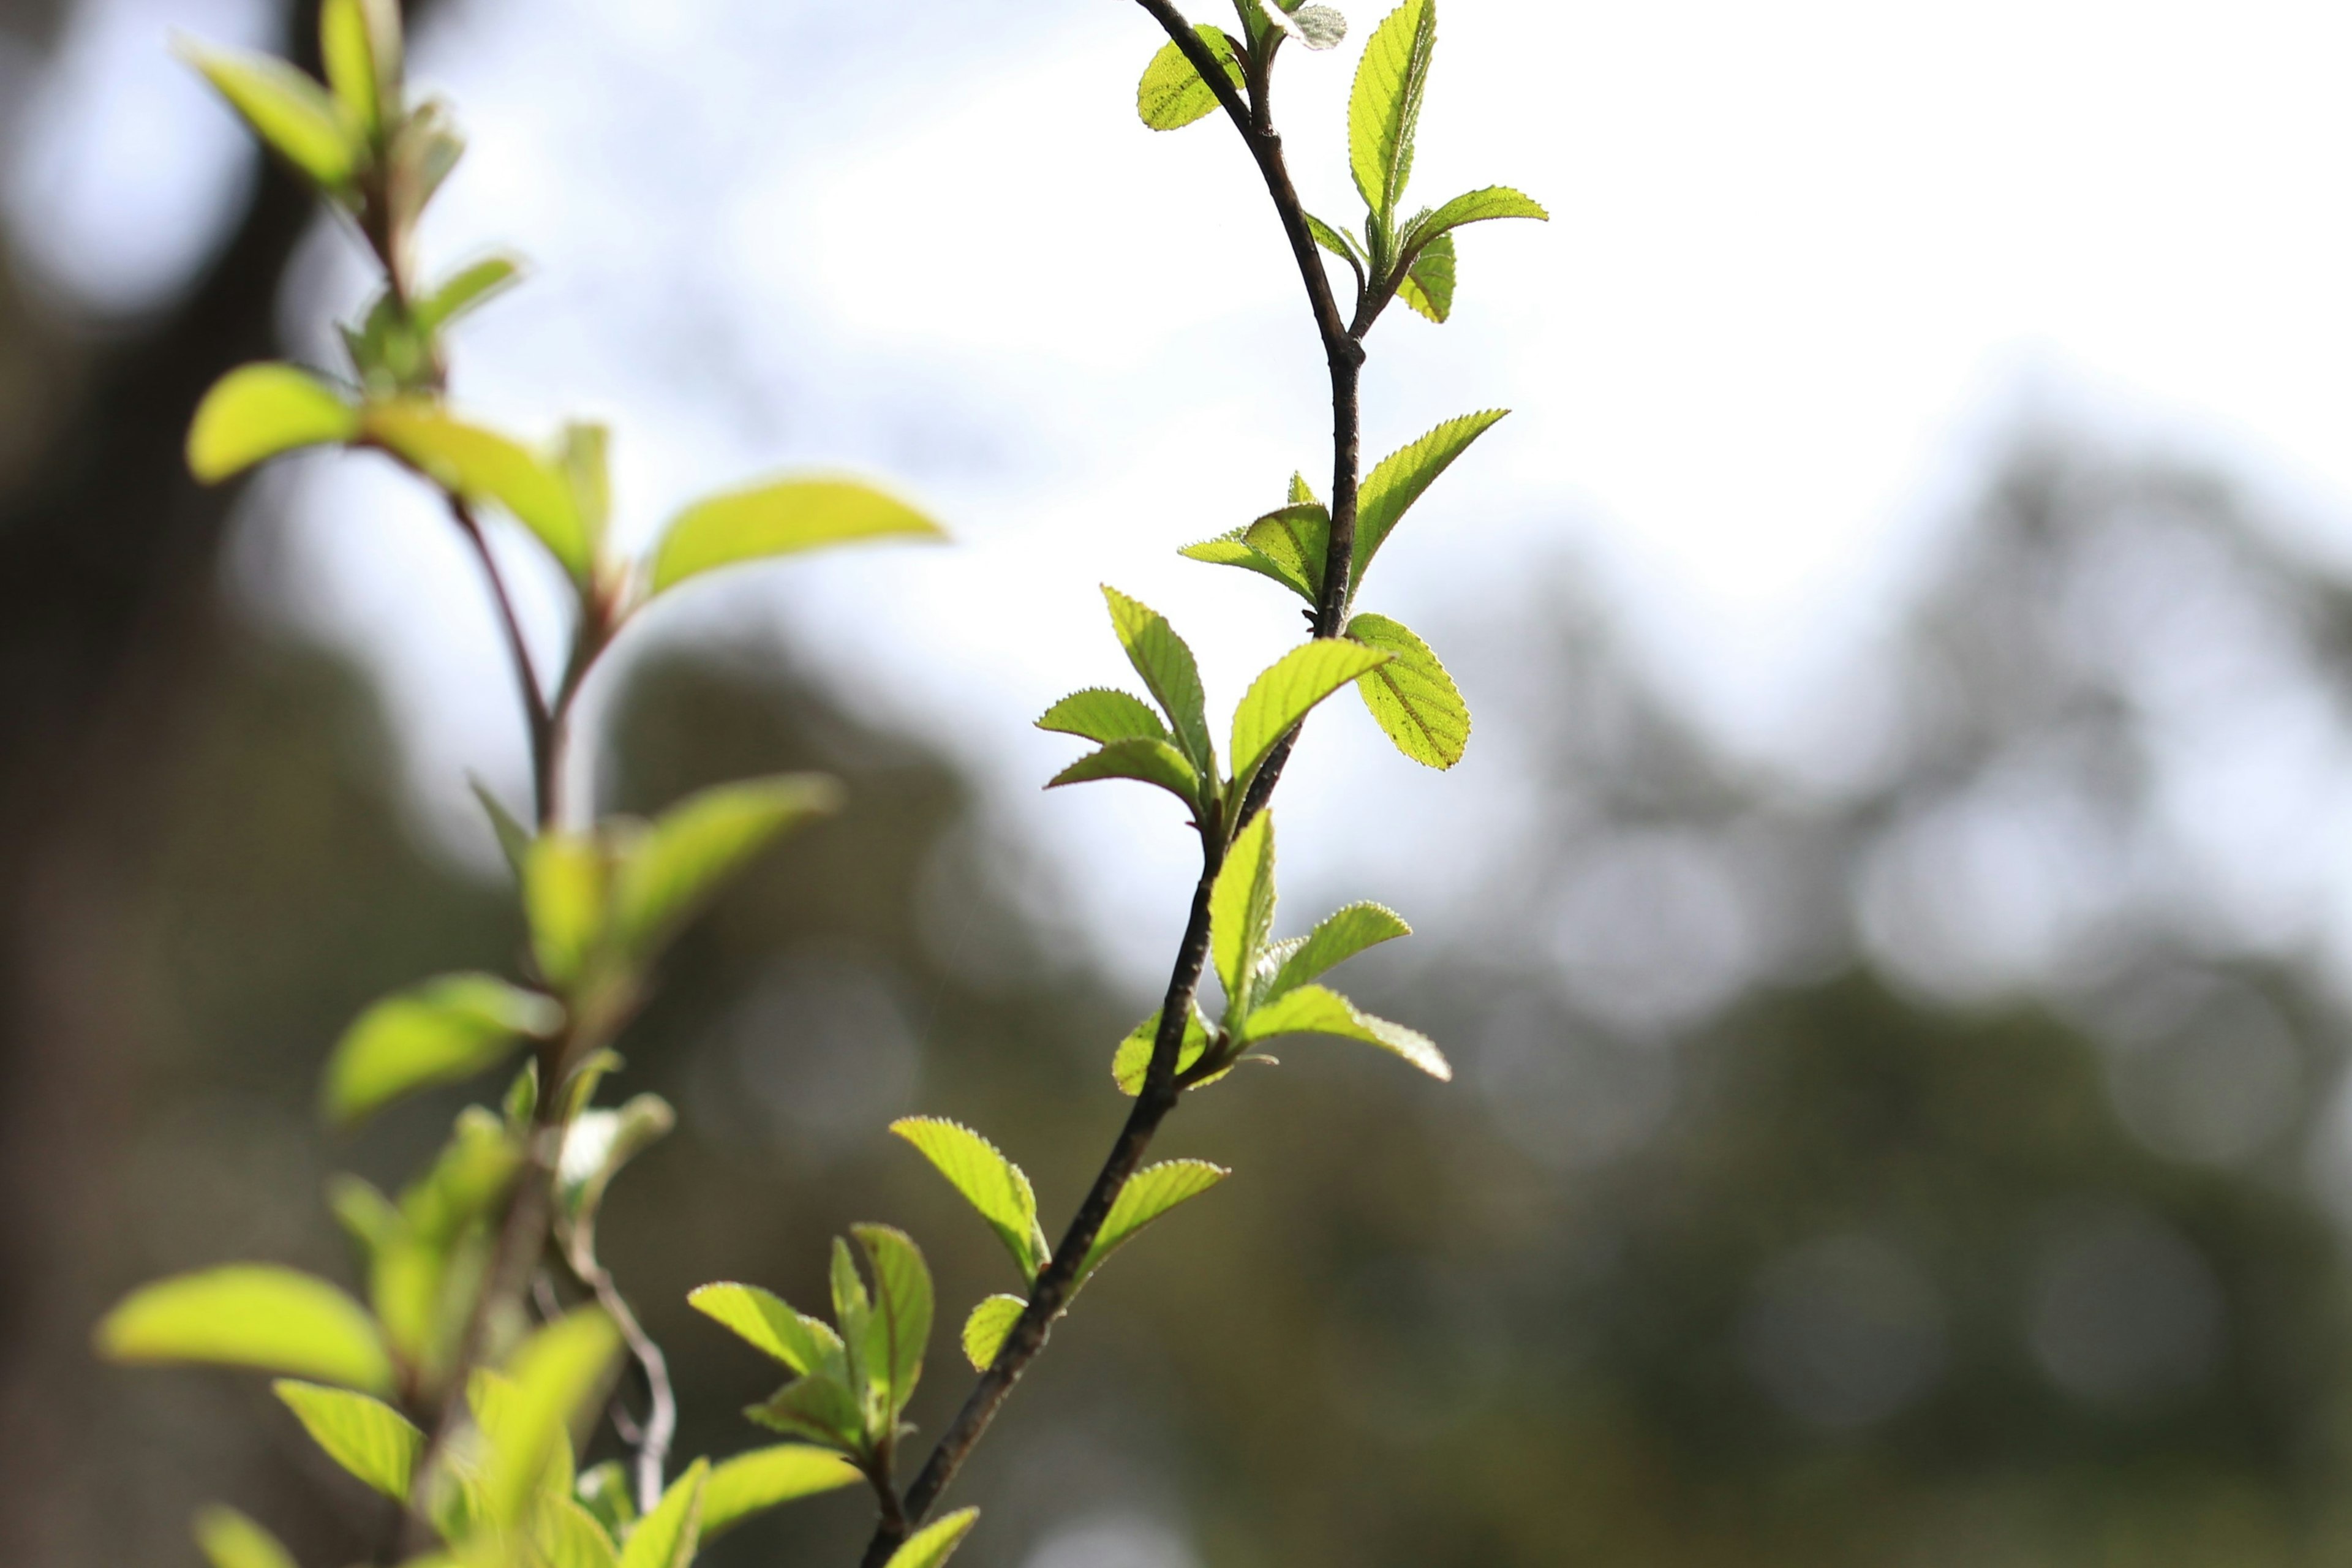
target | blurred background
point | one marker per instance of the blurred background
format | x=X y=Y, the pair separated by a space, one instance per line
x=1893 y=927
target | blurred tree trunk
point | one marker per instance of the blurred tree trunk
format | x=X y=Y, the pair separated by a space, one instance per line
x=110 y=631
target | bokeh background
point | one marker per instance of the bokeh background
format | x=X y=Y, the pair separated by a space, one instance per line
x=1893 y=927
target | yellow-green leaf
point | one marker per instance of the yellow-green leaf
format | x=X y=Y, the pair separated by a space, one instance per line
x=694 y=846
x=1171 y=94
x=568 y=1535
x=1336 y=938
x=992 y=1184
x=1149 y=1194
x=1384 y=107
x=437 y=1031
x=1132 y=1060
x=229 y=1540
x=1104 y=715
x=931 y=1545
x=985 y=1329
x=1241 y=907
x=258 y=411
x=255 y=1315
x=291 y=113
x=1412 y=698
x=1314 y=1010
x=666 y=1537
x=350 y=58
x=1289 y=690
x=479 y=466
x=464 y=290
x=764 y=1478
x=1428 y=284
x=552 y=1375
x=901 y=1323
x=780 y=518
x=365 y=1436
x=1397 y=480
x=1169 y=672
x=1148 y=761
x=803 y=1343
x=565 y=880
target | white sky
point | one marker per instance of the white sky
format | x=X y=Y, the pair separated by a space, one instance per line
x=1809 y=262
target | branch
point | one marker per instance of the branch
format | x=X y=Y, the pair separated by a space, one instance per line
x=652 y=1437
x=537 y=717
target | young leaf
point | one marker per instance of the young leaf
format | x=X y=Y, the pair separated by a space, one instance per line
x=1428 y=284
x=1384 y=107
x=424 y=150
x=1133 y=1058
x=1241 y=907
x=989 y=1182
x=1288 y=689
x=668 y=1536
x=1151 y=762
x=1398 y=479
x=1339 y=937
x=366 y=1437
x=695 y=845
x=901 y=1324
x=1149 y=1194
x=780 y=518
x=551 y=1378
x=604 y=1490
x=985 y=1329
x=597 y=1143
x=1317 y=27
x=1103 y=715
x=820 y=1408
x=291 y=114
x=229 y=1540
x=438 y=1031
x=514 y=838
x=807 y=1346
x=931 y=1545
x=1338 y=242
x=258 y=411
x=349 y=56
x=1411 y=696
x=1474 y=207
x=477 y=466
x=251 y=1315
x=568 y=1535
x=580 y=460
x=764 y=1478
x=1297 y=539
x=1313 y=1010
x=565 y=896
x=1171 y=94
x=464 y=290
x=1162 y=658
x=1232 y=549
x=853 y=1312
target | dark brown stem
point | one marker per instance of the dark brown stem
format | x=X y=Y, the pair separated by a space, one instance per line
x=546 y=738
x=1049 y=1295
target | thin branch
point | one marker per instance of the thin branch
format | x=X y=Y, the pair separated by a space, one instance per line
x=545 y=738
x=652 y=1436
x=1344 y=356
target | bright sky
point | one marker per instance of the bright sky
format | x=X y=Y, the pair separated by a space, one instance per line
x=1809 y=262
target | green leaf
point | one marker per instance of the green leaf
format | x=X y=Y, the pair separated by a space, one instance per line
x=258 y=411
x=820 y=1408
x=1411 y=696
x=803 y=1343
x=1232 y=550
x=1385 y=106
x=596 y=1145
x=985 y=1329
x=1398 y=479
x=229 y=1540
x=695 y=845
x=563 y=894
x=1474 y=207
x=435 y=1032
x=931 y=1545
x=1428 y=284
x=1297 y=539
x=780 y=518
x=1133 y=1058
x=1313 y=1010
x=1241 y=907
x=603 y=1491
x=1103 y=715
x=988 y=1181
x=1171 y=94
x=366 y=1437
x=853 y=1314
x=1289 y=690
x=1151 y=762
x=424 y=150
x=568 y=1535
x=514 y=838
x=250 y=1314
x=580 y=460
x=901 y=1324
x=764 y=1478
x=349 y=56
x=1337 y=938
x=1169 y=673
x=668 y=1536
x=477 y=465
x=291 y=113
x=1149 y=1194
x=466 y=289
x=553 y=1374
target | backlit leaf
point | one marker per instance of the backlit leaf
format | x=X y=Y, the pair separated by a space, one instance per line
x=479 y=466
x=514 y=838
x=780 y=518
x=253 y=1315
x=1289 y=690
x=806 y=1344
x=1169 y=673
x=597 y=1143
x=564 y=897
x=1411 y=696
x=1313 y=1010
x=764 y=1478
x=1103 y=715
x=435 y=1032
x=985 y=1329
x=1151 y=762
x=902 y=1313
x=1384 y=108
x=1133 y=1058
x=668 y=1536
x=1297 y=539
x=694 y=846
x=570 y=1535
x=292 y=114
x=1428 y=284
x=1171 y=94
x=1339 y=937
x=1398 y=479
x=366 y=1437
x=553 y=1373
x=821 y=1409
x=466 y=289
x=931 y=1545
x=350 y=58
x=1149 y=1194
x=258 y=411
x=1474 y=207
x=229 y=1540
x=992 y=1184
x=1241 y=906
x=1232 y=550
